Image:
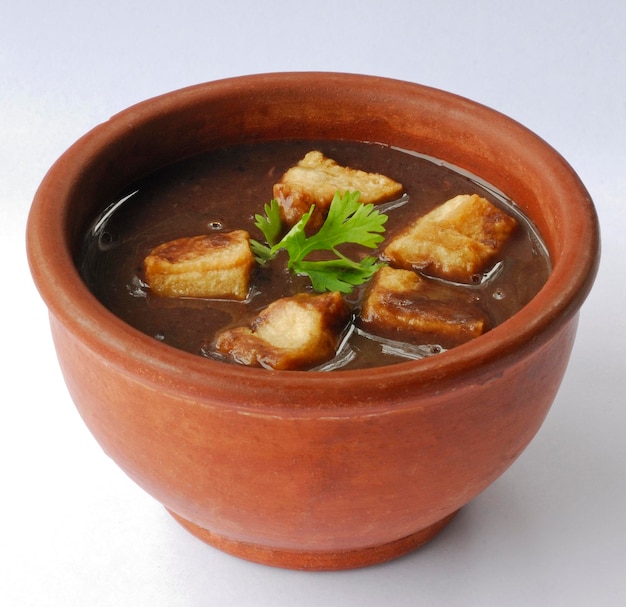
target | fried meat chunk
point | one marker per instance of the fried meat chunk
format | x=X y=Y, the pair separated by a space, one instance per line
x=297 y=332
x=454 y=241
x=215 y=266
x=316 y=179
x=403 y=306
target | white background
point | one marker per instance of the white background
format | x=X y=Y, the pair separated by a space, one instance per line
x=74 y=531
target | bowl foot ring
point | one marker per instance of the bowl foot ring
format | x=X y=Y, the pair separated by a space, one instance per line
x=317 y=561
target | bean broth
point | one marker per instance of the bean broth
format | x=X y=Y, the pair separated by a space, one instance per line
x=222 y=191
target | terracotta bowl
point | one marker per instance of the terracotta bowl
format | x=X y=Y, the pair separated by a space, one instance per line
x=312 y=470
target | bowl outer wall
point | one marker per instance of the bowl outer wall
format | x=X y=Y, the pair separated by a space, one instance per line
x=312 y=480
x=325 y=461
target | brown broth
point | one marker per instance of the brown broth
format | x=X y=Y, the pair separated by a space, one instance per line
x=224 y=189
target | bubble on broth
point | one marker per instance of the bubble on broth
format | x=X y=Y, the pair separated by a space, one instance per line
x=107 y=240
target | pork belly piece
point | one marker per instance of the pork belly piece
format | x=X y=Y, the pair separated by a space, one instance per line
x=291 y=333
x=316 y=179
x=454 y=241
x=215 y=266
x=403 y=306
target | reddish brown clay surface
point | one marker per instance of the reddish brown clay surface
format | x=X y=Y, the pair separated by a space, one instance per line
x=312 y=470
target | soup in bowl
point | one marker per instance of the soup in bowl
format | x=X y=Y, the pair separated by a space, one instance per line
x=365 y=453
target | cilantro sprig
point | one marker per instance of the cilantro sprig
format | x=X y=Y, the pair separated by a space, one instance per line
x=348 y=221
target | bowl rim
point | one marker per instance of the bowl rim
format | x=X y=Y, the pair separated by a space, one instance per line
x=171 y=369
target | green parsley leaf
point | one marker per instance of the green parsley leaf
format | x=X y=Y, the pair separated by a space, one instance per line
x=341 y=274
x=348 y=221
x=270 y=224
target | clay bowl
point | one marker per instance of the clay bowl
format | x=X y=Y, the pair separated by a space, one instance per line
x=312 y=470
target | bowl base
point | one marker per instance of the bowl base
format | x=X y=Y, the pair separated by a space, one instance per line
x=317 y=561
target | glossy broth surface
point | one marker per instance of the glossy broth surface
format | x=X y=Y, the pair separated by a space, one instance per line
x=224 y=189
